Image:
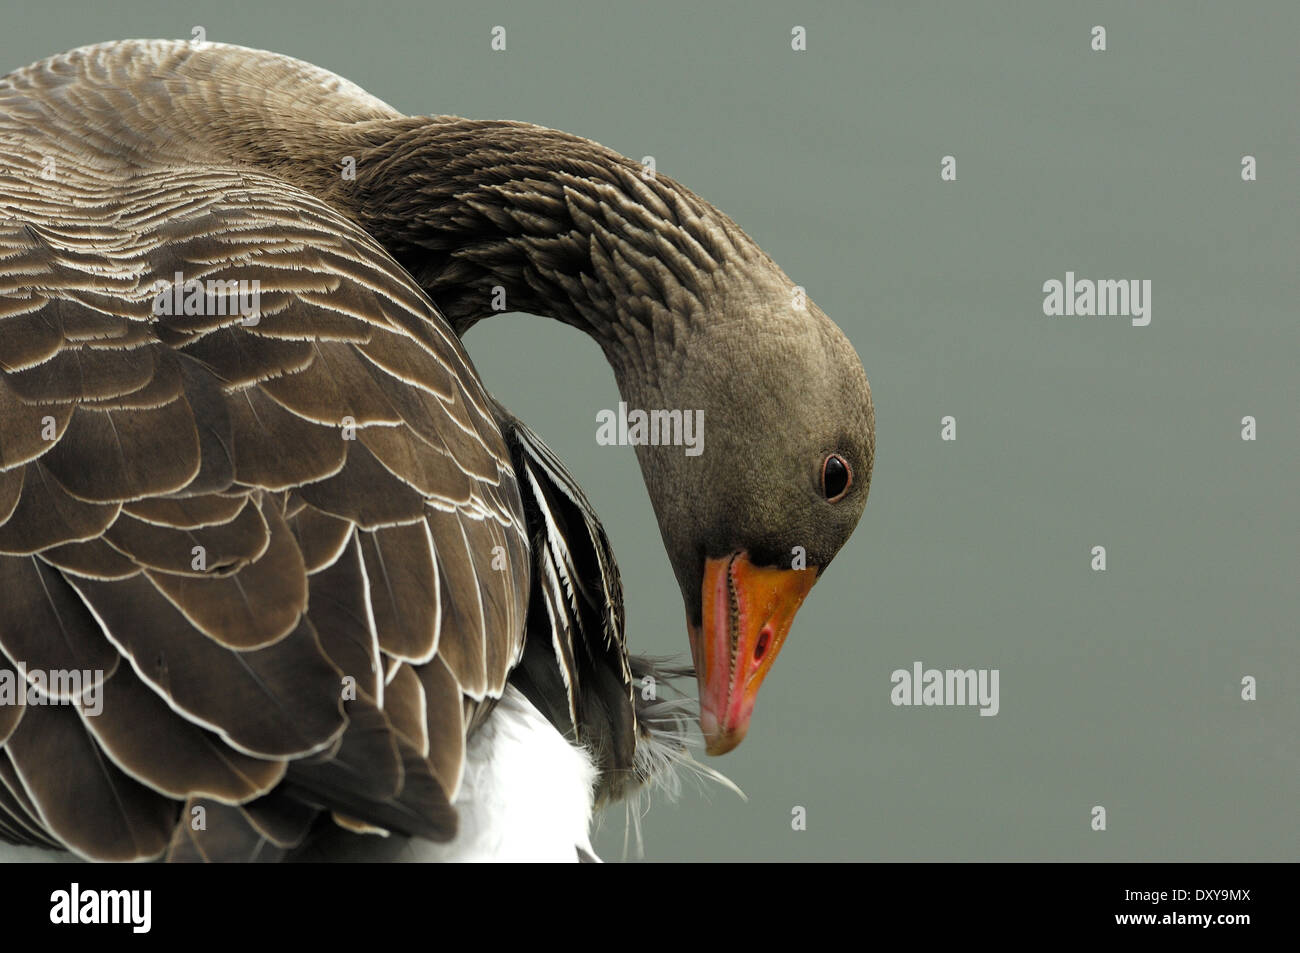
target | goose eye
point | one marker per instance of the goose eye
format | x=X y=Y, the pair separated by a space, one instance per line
x=836 y=477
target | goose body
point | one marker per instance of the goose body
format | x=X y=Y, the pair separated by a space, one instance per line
x=335 y=601
x=526 y=796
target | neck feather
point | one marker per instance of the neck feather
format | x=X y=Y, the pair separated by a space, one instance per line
x=505 y=216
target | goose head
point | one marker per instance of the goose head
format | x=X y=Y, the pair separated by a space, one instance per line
x=756 y=512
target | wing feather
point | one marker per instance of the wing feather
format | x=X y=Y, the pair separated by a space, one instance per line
x=290 y=537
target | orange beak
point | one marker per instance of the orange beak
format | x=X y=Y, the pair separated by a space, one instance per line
x=746 y=615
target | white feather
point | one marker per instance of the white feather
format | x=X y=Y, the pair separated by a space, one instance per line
x=527 y=795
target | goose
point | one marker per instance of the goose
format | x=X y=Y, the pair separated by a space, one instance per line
x=281 y=579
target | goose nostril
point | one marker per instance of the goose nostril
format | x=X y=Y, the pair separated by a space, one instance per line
x=764 y=637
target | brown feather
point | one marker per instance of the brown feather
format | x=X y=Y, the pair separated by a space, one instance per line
x=444 y=722
x=336 y=388
x=17 y=807
x=192 y=512
x=47 y=515
x=32 y=335
x=277 y=449
x=83 y=799
x=45 y=626
x=225 y=547
x=30 y=429
x=80 y=373
x=280 y=819
x=282 y=701
x=154 y=745
x=364 y=492
x=210 y=832
x=406 y=707
x=109 y=456
x=339 y=610
x=399 y=562
x=240 y=358
x=94 y=559
x=462 y=636
x=321 y=537
x=244 y=604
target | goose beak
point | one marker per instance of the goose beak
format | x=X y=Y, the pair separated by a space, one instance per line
x=747 y=612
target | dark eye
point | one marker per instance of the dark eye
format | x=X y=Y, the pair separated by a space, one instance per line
x=836 y=477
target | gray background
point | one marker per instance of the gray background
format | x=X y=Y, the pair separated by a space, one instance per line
x=1118 y=688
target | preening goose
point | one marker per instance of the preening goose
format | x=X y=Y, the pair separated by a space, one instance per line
x=249 y=474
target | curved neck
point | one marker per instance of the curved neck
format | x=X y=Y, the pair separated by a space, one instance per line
x=502 y=216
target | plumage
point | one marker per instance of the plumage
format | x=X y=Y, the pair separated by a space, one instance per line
x=45 y=626
x=31 y=428
x=339 y=596
x=21 y=819
x=249 y=474
x=46 y=515
x=213 y=832
x=227 y=545
x=135 y=724
x=247 y=599
x=279 y=701
x=80 y=797
x=402 y=566
x=376 y=775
